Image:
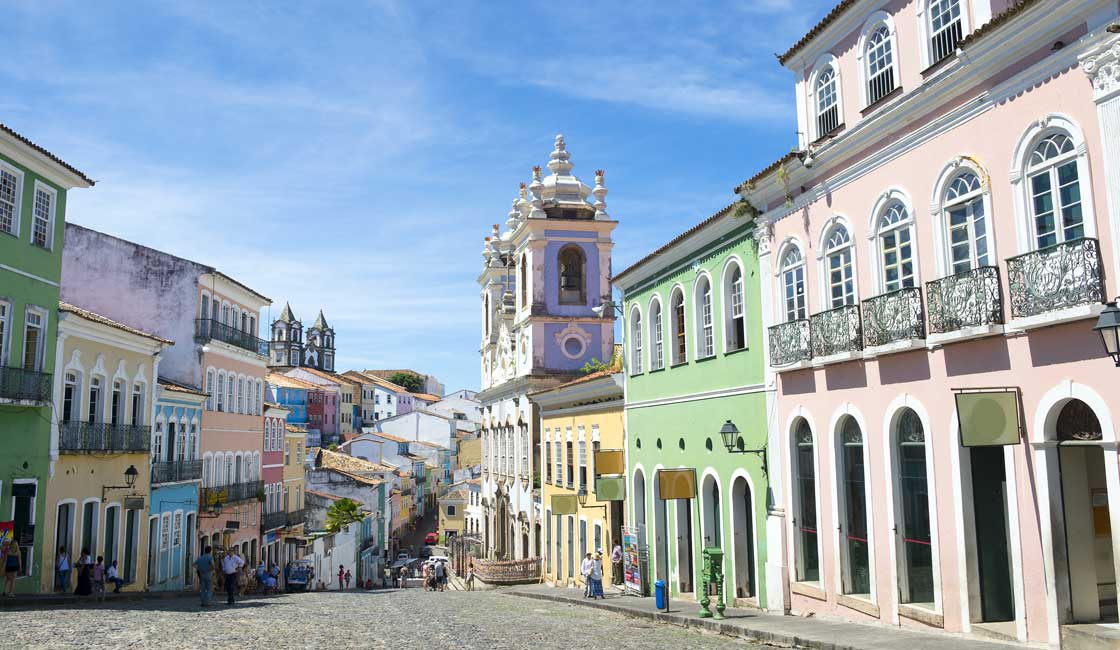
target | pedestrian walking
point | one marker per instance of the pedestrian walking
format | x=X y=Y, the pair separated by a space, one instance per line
x=85 y=574
x=115 y=578
x=585 y=571
x=403 y=577
x=231 y=568
x=595 y=577
x=62 y=570
x=99 y=577
x=616 y=564
x=13 y=563
x=341 y=575
x=348 y=578
x=470 y=576
x=204 y=566
x=440 y=575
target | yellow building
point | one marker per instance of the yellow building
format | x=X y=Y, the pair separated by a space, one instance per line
x=452 y=512
x=99 y=488
x=579 y=419
x=294 y=438
x=470 y=451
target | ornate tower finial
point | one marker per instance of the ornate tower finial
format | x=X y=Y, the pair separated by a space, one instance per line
x=536 y=187
x=559 y=162
x=495 y=247
x=600 y=193
x=513 y=219
x=522 y=203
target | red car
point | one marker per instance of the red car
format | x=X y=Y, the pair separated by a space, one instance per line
x=431 y=538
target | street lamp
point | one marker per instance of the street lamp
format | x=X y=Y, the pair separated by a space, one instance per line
x=130 y=475
x=1108 y=326
x=734 y=444
x=606 y=307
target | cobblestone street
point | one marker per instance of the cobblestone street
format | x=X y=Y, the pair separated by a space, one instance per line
x=410 y=619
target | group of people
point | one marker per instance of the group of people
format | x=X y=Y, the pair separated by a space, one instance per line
x=231 y=566
x=592 y=571
x=92 y=575
x=435 y=576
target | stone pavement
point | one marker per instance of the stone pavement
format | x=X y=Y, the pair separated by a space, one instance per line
x=333 y=620
x=763 y=627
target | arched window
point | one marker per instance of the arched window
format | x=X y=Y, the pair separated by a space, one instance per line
x=94 y=404
x=735 y=311
x=635 y=341
x=916 y=549
x=827 y=102
x=963 y=207
x=879 y=54
x=231 y=404
x=656 y=336
x=573 y=275
x=677 y=325
x=946 y=28
x=706 y=342
x=805 y=519
x=71 y=398
x=210 y=390
x=896 y=249
x=524 y=281
x=793 y=284
x=854 y=547
x=1055 y=191
x=838 y=268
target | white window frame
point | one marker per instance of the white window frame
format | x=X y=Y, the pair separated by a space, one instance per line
x=826 y=253
x=636 y=366
x=703 y=310
x=5 y=331
x=870 y=27
x=887 y=201
x=925 y=29
x=824 y=63
x=656 y=321
x=729 y=295
x=44 y=325
x=51 y=219
x=18 y=206
x=674 y=360
x=787 y=273
x=939 y=211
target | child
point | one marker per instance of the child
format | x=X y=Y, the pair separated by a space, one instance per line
x=99 y=577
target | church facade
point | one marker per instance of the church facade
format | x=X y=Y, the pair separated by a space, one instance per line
x=543 y=277
x=289 y=348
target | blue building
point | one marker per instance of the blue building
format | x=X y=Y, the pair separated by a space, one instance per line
x=291 y=393
x=176 y=469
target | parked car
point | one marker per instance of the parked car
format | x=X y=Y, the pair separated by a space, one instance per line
x=403 y=557
x=299 y=576
x=431 y=538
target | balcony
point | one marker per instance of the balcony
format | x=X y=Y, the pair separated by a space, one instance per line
x=836 y=331
x=274 y=520
x=894 y=317
x=294 y=518
x=22 y=385
x=1055 y=278
x=790 y=342
x=969 y=299
x=206 y=329
x=93 y=437
x=178 y=470
x=231 y=493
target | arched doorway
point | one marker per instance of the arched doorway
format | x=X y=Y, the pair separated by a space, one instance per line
x=1091 y=570
x=742 y=522
x=683 y=509
x=660 y=531
x=914 y=539
x=855 y=552
x=502 y=528
x=712 y=524
x=525 y=546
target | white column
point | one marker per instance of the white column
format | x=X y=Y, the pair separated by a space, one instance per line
x=1102 y=65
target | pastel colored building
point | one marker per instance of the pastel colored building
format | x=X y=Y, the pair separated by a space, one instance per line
x=214 y=319
x=274 y=518
x=294 y=440
x=33 y=191
x=176 y=479
x=99 y=450
x=381 y=398
x=541 y=281
x=946 y=236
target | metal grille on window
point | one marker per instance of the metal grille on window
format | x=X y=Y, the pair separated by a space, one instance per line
x=946 y=28
x=42 y=218
x=828 y=112
x=8 y=194
x=880 y=65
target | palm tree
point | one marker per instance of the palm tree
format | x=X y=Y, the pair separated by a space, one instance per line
x=343 y=513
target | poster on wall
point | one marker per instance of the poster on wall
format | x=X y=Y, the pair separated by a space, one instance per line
x=632 y=552
x=7 y=529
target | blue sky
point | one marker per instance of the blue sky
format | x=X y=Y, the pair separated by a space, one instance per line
x=352 y=155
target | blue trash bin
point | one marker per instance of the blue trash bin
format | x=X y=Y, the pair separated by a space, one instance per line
x=659 y=594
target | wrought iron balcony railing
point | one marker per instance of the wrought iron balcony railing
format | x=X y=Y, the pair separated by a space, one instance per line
x=835 y=331
x=894 y=316
x=176 y=470
x=1056 y=277
x=25 y=385
x=294 y=517
x=75 y=436
x=231 y=493
x=967 y=299
x=273 y=520
x=209 y=329
x=790 y=342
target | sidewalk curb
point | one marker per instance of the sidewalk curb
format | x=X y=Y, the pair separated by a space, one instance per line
x=32 y=600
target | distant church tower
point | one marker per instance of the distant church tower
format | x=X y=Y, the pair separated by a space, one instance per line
x=288 y=349
x=541 y=279
x=319 y=352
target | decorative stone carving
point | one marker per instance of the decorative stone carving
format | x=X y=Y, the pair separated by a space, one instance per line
x=573 y=341
x=1103 y=67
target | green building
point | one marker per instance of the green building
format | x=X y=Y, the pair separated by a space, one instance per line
x=33 y=186
x=694 y=349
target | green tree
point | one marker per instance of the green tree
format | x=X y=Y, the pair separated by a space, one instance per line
x=343 y=513
x=411 y=382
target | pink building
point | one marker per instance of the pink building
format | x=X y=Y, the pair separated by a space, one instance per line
x=946 y=236
x=275 y=506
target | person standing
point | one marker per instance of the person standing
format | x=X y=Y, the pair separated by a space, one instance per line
x=403 y=577
x=595 y=577
x=341 y=576
x=204 y=566
x=441 y=575
x=13 y=562
x=115 y=578
x=62 y=570
x=470 y=576
x=99 y=577
x=231 y=567
x=585 y=571
x=616 y=564
x=85 y=577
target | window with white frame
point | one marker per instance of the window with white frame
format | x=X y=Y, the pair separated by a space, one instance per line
x=895 y=247
x=241 y=395
x=677 y=322
x=963 y=206
x=793 y=284
x=34 y=328
x=165 y=532
x=946 y=28
x=137 y=416
x=827 y=102
x=157 y=443
x=116 y=404
x=9 y=199
x=879 y=54
x=94 y=404
x=181 y=442
x=735 y=326
x=5 y=315
x=657 y=350
x=42 y=216
x=1055 y=191
x=635 y=341
x=838 y=268
x=209 y=390
x=177 y=530
x=70 y=397
x=706 y=346
x=193 y=442
x=221 y=391
x=231 y=401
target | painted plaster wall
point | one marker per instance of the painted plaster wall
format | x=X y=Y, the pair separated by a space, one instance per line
x=168 y=498
x=419 y=425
